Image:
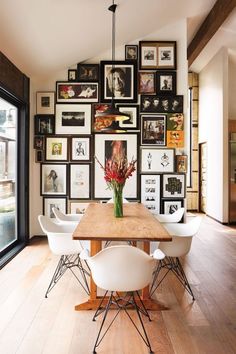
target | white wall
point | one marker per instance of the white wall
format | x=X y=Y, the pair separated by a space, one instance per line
x=213 y=129
x=176 y=31
x=232 y=86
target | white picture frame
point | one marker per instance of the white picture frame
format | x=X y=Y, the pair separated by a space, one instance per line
x=151 y=192
x=73 y=119
x=53 y=179
x=45 y=102
x=154 y=160
x=79 y=181
x=174 y=185
x=49 y=203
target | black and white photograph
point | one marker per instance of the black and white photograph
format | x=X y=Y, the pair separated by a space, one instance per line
x=133 y=121
x=157 y=160
x=88 y=72
x=150 y=192
x=166 y=83
x=161 y=104
x=56 y=148
x=45 y=102
x=80 y=148
x=50 y=203
x=73 y=119
x=153 y=130
x=53 y=179
x=167 y=56
x=77 y=92
x=171 y=206
x=72 y=75
x=157 y=55
x=79 y=181
x=174 y=186
x=131 y=52
x=119 y=80
x=44 y=124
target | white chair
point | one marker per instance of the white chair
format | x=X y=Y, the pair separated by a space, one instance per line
x=182 y=235
x=112 y=201
x=66 y=218
x=169 y=218
x=121 y=269
x=61 y=243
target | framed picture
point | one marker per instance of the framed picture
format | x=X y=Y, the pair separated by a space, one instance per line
x=88 y=72
x=39 y=156
x=150 y=192
x=79 y=181
x=56 y=148
x=105 y=147
x=175 y=138
x=119 y=79
x=78 y=207
x=73 y=119
x=132 y=111
x=166 y=83
x=153 y=129
x=72 y=75
x=181 y=163
x=44 y=124
x=157 y=55
x=39 y=142
x=162 y=104
x=77 y=92
x=50 y=203
x=131 y=52
x=146 y=82
x=53 y=179
x=174 y=186
x=170 y=206
x=99 y=123
x=80 y=148
x=45 y=102
x=157 y=160
x=175 y=121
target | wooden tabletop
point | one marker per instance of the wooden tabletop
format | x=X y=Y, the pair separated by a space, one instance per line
x=137 y=224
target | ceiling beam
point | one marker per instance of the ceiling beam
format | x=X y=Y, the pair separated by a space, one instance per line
x=211 y=24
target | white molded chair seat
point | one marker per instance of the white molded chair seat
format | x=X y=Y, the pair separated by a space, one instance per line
x=64 y=218
x=169 y=218
x=112 y=201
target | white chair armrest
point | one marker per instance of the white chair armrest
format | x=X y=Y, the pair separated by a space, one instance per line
x=84 y=254
x=158 y=254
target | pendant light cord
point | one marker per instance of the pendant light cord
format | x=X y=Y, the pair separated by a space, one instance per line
x=112 y=8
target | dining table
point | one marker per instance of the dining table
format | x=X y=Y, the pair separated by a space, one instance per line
x=137 y=224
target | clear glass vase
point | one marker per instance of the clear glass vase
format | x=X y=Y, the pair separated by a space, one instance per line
x=118 y=201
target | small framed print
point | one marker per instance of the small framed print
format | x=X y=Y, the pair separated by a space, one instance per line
x=79 y=181
x=45 y=102
x=174 y=186
x=181 y=163
x=146 y=82
x=155 y=160
x=78 y=207
x=171 y=206
x=88 y=72
x=166 y=83
x=162 y=104
x=72 y=75
x=131 y=52
x=53 y=179
x=39 y=156
x=157 y=55
x=76 y=92
x=50 y=203
x=39 y=142
x=132 y=111
x=73 y=119
x=99 y=122
x=80 y=148
x=175 y=121
x=56 y=148
x=150 y=192
x=175 y=138
x=44 y=124
x=153 y=130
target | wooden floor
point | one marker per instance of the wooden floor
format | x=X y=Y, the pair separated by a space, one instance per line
x=31 y=324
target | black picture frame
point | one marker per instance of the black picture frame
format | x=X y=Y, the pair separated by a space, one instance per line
x=166 y=83
x=38 y=142
x=157 y=55
x=39 y=156
x=131 y=52
x=153 y=129
x=56 y=185
x=174 y=186
x=44 y=124
x=161 y=104
x=80 y=178
x=48 y=211
x=56 y=148
x=80 y=148
x=147 y=82
x=72 y=75
x=166 y=203
x=88 y=72
x=133 y=111
x=77 y=92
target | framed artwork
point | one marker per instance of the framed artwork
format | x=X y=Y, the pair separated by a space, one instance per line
x=175 y=138
x=150 y=192
x=38 y=142
x=155 y=160
x=181 y=163
x=131 y=52
x=88 y=72
x=80 y=148
x=166 y=83
x=56 y=148
x=174 y=186
x=170 y=206
x=39 y=156
x=73 y=119
x=50 y=203
x=45 y=102
x=44 y=124
x=99 y=123
x=162 y=104
x=105 y=147
x=119 y=78
x=157 y=55
x=153 y=130
x=53 y=179
x=76 y=92
x=72 y=75
x=78 y=207
x=146 y=82
x=132 y=111
x=79 y=181
x=175 y=121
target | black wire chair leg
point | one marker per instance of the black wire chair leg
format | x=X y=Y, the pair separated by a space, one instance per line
x=186 y=282
x=59 y=271
x=100 y=309
x=143 y=309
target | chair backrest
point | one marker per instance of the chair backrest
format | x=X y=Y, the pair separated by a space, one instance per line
x=61 y=217
x=121 y=268
x=112 y=201
x=175 y=217
x=182 y=235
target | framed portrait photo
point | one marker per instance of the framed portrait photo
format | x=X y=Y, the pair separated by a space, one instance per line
x=76 y=92
x=157 y=55
x=170 y=206
x=153 y=129
x=146 y=82
x=166 y=83
x=131 y=52
x=88 y=72
x=151 y=192
x=119 y=78
x=79 y=181
x=45 y=102
x=174 y=186
x=80 y=148
x=133 y=113
x=53 y=179
x=107 y=146
x=55 y=202
x=73 y=119
x=39 y=142
x=181 y=163
x=72 y=75
x=161 y=104
x=154 y=160
x=44 y=124
x=56 y=148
